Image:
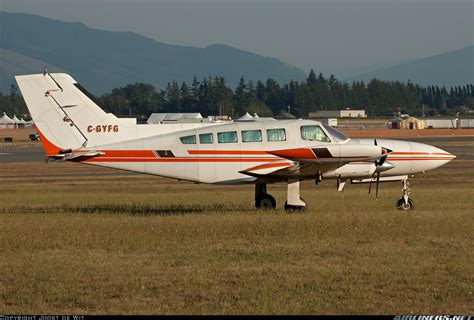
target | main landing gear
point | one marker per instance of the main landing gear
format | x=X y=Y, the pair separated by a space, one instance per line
x=293 y=203
x=404 y=202
x=262 y=199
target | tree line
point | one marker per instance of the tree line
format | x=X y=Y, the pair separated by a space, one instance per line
x=213 y=96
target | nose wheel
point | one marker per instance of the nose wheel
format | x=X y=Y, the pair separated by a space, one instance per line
x=404 y=202
x=405 y=205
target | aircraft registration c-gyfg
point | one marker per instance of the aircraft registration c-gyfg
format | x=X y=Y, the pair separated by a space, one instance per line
x=72 y=127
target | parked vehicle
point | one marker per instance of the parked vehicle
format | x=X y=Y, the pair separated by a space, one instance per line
x=34 y=137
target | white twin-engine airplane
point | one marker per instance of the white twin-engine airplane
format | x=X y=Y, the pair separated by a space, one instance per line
x=73 y=127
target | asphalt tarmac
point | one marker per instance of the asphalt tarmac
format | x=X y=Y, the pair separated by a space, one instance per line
x=28 y=154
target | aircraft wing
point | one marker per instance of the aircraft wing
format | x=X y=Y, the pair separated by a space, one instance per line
x=333 y=154
x=310 y=163
x=283 y=169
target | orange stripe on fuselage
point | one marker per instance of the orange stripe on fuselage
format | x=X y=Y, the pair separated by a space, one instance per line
x=421 y=153
x=150 y=156
x=128 y=153
x=227 y=152
x=414 y=159
x=150 y=159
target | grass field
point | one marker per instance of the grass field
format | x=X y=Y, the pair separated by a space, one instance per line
x=125 y=244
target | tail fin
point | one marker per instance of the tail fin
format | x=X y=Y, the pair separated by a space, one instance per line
x=66 y=115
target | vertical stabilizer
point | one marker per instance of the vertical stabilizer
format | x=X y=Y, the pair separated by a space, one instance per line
x=66 y=115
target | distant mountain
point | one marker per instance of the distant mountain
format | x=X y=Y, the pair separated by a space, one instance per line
x=12 y=63
x=102 y=60
x=447 y=69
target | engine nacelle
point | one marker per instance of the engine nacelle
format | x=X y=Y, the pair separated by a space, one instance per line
x=356 y=169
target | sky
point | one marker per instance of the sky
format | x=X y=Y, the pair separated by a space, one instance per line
x=341 y=37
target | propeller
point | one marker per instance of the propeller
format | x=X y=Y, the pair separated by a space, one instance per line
x=377 y=186
x=378 y=163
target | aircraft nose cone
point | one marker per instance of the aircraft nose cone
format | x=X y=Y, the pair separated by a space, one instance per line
x=442 y=154
x=426 y=157
x=438 y=157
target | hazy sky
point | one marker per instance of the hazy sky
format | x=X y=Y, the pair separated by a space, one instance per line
x=332 y=36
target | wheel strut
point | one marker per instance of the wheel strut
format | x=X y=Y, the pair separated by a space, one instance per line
x=406 y=190
x=262 y=199
x=294 y=201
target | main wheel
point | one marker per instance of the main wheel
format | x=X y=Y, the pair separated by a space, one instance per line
x=291 y=208
x=265 y=201
x=401 y=205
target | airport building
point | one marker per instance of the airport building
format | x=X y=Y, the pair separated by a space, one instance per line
x=346 y=113
x=191 y=117
x=414 y=123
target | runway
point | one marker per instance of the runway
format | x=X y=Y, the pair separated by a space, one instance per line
x=28 y=154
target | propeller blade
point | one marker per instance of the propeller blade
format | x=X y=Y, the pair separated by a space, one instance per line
x=377 y=186
x=382 y=159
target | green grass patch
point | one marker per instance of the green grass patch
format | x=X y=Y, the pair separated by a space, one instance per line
x=146 y=245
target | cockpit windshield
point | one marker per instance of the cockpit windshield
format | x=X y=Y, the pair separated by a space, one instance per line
x=335 y=134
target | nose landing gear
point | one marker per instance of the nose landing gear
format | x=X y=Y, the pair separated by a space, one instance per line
x=404 y=202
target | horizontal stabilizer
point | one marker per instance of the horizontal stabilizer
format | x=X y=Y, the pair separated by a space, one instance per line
x=70 y=155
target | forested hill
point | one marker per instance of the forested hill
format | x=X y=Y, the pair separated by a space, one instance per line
x=448 y=69
x=102 y=60
x=212 y=96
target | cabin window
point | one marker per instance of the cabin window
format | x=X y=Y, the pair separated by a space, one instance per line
x=314 y=133
x=276 y=134
x=251 y=136
x=227 y=137
x=206 y=138
x=188 y=139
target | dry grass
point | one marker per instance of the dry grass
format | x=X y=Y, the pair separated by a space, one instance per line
x=140 y=244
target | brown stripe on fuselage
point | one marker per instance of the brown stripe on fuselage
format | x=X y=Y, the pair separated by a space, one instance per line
x=322 y=152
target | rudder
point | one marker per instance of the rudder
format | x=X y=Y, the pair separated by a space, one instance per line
x=66 y=115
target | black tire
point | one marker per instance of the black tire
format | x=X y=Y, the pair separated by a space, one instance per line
x=401 y=205
x=265 y=201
